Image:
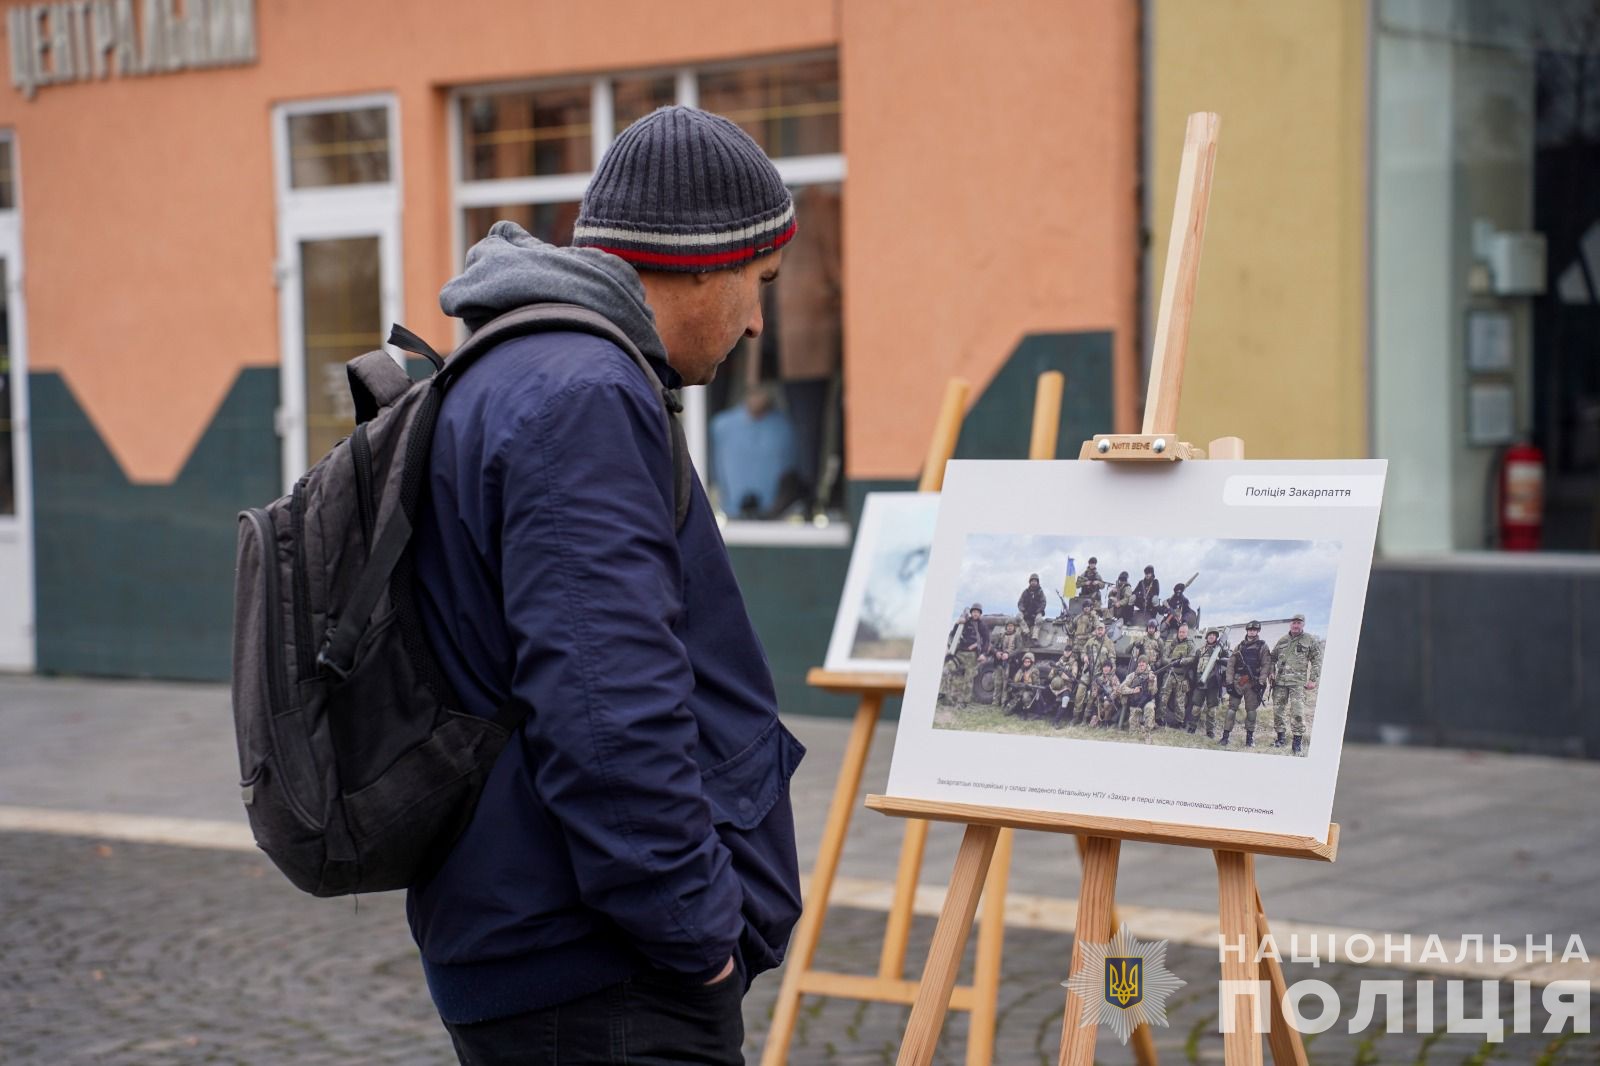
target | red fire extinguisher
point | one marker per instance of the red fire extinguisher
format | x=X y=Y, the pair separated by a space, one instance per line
x=1521 y=498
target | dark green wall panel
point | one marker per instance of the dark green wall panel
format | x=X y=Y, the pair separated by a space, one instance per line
x=137 y=580
x=1000 y=424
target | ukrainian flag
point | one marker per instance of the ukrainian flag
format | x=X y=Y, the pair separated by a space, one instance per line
x=1069 y=587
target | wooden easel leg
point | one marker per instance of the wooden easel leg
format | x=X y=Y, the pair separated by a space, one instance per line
x=1236 y=890
x=991 y=942
x=1096 y=899
x=1144 y=1041
x=1288 y=1049
x=949 y=939
x=892 y=962
x=804 y=945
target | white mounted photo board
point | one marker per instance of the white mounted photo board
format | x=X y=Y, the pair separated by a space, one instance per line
x=882 y=598
x=1262 y=540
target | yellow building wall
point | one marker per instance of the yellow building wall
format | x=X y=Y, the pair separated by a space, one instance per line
x=1277 y=350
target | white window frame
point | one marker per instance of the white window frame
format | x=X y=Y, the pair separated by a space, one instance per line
x=370 y=209
x=17 y=528
x=568 y=188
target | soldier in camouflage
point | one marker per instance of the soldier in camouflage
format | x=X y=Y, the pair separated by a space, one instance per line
x=1176 y=608
x=1032 y=606
x=1065 y=672
x=1294 y=669
x=1247 y=676
x=1180 y=658
x=1150 y=647
x=1147 y=594
x=1212 y=693
x=1005 y=649
x=968 y=650
x=1119 y=601
x=1094 y=651
x=1138 y=691
x=1083 y=625
x=1060 y=694
x=1026 y=682
x=1103 y=700
x=1091 y=582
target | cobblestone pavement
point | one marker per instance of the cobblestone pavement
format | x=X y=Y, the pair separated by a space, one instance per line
x=1433 y=841
x=131 y=954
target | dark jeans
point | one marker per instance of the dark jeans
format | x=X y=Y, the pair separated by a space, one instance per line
x=647 y=1020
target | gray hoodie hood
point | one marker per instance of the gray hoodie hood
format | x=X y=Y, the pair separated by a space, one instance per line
x=511 y=268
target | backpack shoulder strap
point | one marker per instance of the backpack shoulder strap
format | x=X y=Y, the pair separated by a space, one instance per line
x=542 y=318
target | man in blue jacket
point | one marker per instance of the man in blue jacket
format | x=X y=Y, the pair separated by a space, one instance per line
x=631 y=864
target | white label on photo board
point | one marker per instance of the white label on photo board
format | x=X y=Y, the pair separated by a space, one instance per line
x=1308 y=491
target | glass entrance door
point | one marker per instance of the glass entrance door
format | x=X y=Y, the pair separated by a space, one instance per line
x=16 y=519
x=339 y=241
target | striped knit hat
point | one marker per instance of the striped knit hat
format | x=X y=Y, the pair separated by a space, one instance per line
x=685 y=190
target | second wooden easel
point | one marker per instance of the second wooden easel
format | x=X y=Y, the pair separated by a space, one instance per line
x=1242 y=917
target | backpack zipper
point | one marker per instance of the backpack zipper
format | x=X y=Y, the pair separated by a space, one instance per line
x=303 y=654
x=275 y=671
x=361 y=453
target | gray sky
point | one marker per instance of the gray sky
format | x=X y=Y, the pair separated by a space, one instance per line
x=1239 y=579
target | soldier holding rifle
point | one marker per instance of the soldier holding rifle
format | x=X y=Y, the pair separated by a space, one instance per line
x=1247 y=672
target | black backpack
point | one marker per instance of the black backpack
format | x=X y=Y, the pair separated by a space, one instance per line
x=357 y=764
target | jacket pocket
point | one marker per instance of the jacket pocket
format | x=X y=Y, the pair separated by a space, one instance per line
x=749 y=798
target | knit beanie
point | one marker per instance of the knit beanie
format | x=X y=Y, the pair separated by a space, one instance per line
x=685 y=190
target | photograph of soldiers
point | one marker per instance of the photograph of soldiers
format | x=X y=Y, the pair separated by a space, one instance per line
x=1295 y=667
x=1247 y=673
x=968 y=649
x=1191 y=672
x=1147 y=593
x=1211 y=693
x=1031 y=605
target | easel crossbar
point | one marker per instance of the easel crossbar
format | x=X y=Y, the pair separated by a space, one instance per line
x=1191 y=836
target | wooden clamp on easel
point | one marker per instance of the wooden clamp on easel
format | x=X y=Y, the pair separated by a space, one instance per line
x=1243 y=918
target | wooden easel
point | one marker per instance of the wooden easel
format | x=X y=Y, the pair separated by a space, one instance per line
x=889 y=984
x=1242 y=915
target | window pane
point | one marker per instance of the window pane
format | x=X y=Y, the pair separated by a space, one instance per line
x=343 y=318
x=8 y=189
x=551 y=223
x=775 y=410
x=634 y=98
x=8 y=471
x=789 y=108
x=339 y=148
x=526 y=134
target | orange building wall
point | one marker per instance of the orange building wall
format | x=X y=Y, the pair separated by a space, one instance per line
x=147 y=203
x=992 y=192
x=991 y=189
